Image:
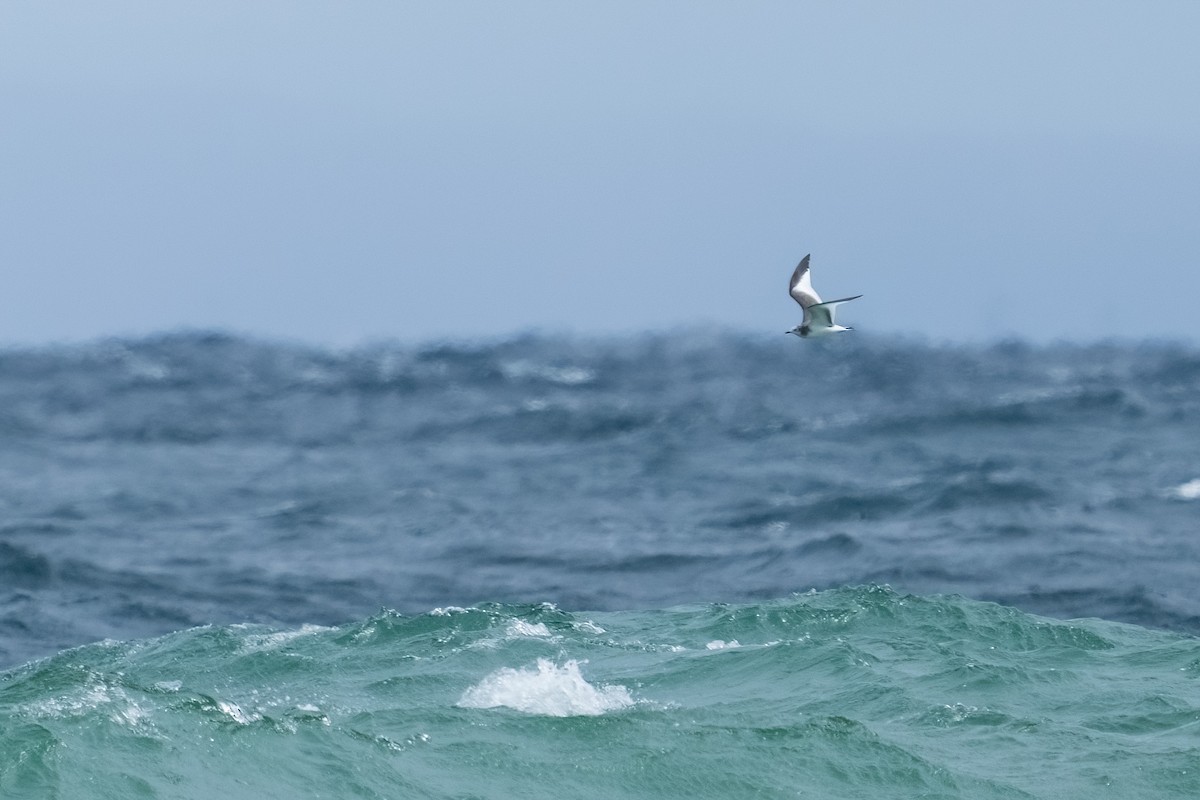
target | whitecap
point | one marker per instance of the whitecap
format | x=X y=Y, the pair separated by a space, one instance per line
x=566 y=376
x=1187 y=491
x=717 y=644
x=448 y=611
x=546 y=689
x=519 y=627
x=270 y=641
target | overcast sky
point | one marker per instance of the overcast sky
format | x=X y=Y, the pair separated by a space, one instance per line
x=345 y=171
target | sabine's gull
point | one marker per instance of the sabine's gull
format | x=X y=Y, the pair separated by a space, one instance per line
x=818 y=316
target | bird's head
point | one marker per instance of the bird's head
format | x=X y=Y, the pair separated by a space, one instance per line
x=798 y=330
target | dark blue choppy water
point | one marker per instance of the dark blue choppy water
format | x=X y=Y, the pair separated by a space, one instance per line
x=191 y=483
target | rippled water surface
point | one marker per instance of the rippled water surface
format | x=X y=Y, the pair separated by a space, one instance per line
x=154 y=486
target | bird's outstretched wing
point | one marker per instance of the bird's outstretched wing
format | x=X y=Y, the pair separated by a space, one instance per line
x=821 y=314
x=800 y=287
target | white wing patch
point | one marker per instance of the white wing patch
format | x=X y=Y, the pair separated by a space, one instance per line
x=800 y=287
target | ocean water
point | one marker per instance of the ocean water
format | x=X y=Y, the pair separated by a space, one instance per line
x=693 y=564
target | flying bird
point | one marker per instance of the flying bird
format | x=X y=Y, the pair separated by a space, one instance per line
x=818 y=316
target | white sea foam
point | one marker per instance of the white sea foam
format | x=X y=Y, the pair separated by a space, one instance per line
x=546 y=689
x=96 y=696
x=1187 y=491
x=734 y=644
x=74 y=704
x=516 y=629
x=717 y=644
x=519 y=627
x=448 y=611
x=131 y=715
x=235 y=713
x=271 y=641
x=567 y=376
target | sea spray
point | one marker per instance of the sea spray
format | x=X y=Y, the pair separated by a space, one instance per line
x=548 y=689
x=849 y=693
